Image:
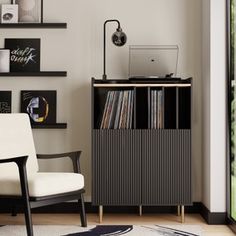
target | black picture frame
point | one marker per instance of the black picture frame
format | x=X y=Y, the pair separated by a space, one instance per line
x=24 y=54
x=5 y=101
x=40 y=105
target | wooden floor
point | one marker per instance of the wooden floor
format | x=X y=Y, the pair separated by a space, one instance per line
x=72 y=219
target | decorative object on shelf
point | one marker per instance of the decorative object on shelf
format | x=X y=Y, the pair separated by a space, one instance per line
x=119 y=38
x=4 y=60
x=5 y=101
x=24 y=54
x=40 y=105
x=30 y=11
x=9 y=13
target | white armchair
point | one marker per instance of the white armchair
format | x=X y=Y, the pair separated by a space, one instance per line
x=21 y=183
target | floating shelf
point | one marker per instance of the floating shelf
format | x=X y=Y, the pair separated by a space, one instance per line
x=36 y=74
x=50 y=126
x=35 y=25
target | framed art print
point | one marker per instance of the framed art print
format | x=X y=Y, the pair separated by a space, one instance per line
x=40 y=105
x=5 y=101
x=24 y=54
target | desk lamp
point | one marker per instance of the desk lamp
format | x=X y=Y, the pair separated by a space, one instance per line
x=119 y=38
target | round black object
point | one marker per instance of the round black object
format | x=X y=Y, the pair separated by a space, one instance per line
x=119 y=38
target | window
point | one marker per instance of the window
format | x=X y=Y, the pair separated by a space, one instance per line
x=232 y=110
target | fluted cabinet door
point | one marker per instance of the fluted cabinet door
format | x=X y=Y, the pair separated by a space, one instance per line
x=166 y=167
x=116 y=173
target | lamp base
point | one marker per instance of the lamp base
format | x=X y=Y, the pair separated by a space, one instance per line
x=104 y=77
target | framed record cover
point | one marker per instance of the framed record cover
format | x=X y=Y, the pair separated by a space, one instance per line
x=40 y=105
x=5 y=101
x=24 y=54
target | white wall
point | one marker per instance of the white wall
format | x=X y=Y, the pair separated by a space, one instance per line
x=214 y=105
x=78 y=50
x=206 y=102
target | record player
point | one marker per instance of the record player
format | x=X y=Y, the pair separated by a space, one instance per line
x=151 y=63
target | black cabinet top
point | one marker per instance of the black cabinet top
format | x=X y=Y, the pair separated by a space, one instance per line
x=138 y=80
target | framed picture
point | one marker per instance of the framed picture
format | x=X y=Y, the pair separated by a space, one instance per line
x=4 y=60
x=24 y=54
x=29 y=11
x=5 y=101
x=9 y=13
x=40 y=105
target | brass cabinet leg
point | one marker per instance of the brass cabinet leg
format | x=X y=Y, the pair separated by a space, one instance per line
x=182 y=214
x=100 y=213
x=178 y=210
x=140 y=210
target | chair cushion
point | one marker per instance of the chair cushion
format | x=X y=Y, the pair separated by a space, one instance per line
x=42 y=184
x=16 y=140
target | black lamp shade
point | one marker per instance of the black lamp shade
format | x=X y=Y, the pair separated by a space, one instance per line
x=119 y=38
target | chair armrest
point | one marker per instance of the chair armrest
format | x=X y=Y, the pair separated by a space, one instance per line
x=21 y=164
x=17 y=160
x=74 y=156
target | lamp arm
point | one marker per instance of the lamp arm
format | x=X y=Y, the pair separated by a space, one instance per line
x=107 y=21
x=104 y=77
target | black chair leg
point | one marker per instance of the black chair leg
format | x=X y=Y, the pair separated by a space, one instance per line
x=13 y=211
x=28 y=219
x=82 y=212
x=21 y=163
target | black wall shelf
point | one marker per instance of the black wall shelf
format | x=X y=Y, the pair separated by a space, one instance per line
x=35 y=74
x=34 y=26
x=50 y=126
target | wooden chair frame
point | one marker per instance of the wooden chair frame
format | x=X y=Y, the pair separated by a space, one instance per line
x=32 y=202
